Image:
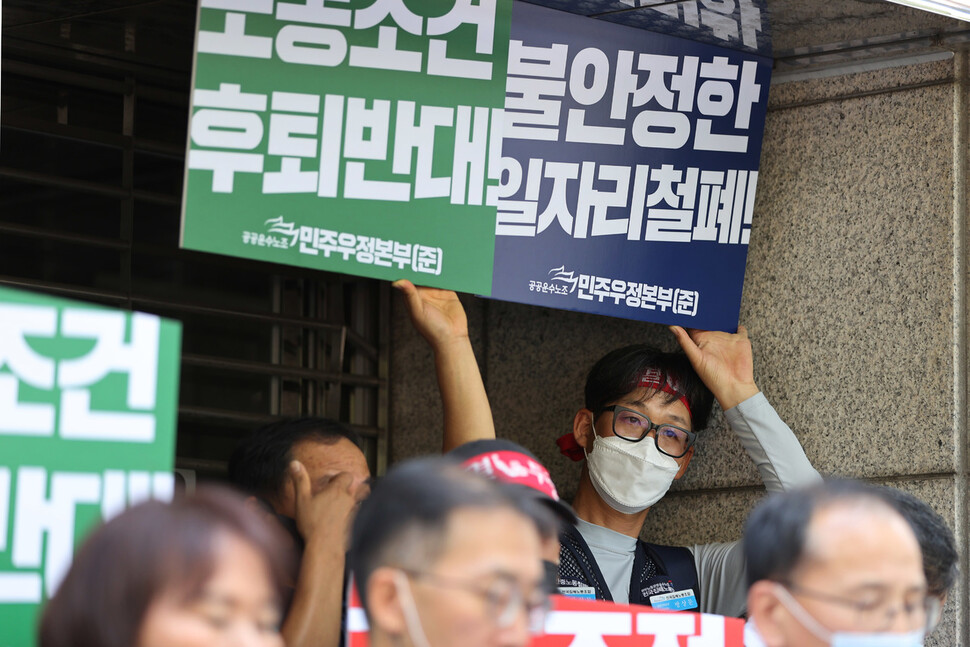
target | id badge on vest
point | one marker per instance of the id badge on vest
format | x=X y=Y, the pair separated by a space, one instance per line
x=677 y=601
x=578 y=592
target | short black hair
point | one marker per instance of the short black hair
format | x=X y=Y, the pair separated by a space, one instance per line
x=936 y=542
x=259 y=463
x=776 y=530
x=149 y=551
x=403 y=521
x=618 y=373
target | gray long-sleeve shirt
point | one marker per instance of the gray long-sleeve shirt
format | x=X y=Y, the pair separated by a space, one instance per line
x=783 y=465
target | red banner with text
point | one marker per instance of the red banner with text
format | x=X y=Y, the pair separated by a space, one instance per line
x=585 y=623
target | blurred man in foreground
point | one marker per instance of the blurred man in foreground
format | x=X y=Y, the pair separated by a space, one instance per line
x=445 y=557
x=835 y=565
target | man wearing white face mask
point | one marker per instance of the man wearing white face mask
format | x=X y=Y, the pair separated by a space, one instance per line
x=637 y=434
x=642 y=415
x=834 y=565
x=445 y=557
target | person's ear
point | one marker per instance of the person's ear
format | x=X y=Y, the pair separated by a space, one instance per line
x=583 y=430
x=383 y=602
x=766 y=610
x=684 y=462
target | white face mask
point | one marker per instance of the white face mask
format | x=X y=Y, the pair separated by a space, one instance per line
x=412 y=621
x=845 y=638
x=630 y=477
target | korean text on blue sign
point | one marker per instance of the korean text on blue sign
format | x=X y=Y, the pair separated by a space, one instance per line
x=629 y=167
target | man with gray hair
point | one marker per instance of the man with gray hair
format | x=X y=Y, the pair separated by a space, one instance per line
x=445 y=557
x=834 y=564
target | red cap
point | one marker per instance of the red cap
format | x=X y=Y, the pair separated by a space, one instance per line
x=509 y=462
x=513 y=467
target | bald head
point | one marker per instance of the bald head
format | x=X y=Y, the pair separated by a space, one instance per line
x=777 y=534
x=844 y=533
x=832 y=558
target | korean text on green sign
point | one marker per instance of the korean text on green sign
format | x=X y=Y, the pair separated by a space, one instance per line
x=88 y=399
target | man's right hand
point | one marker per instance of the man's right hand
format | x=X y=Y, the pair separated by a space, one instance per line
x=437 y=314
x=329 y=512
x=323 y=520
x=440 y=318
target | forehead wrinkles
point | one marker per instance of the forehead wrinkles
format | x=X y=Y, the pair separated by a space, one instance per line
x=339 y=454
x=840 y=525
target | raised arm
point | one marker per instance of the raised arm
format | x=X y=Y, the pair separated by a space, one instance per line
x=323 y=520
x=724 y=363
x=440 y=318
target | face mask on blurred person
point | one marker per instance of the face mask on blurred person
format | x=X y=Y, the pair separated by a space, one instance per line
x=847 y=638
x=412 y=620
x=630 y=477
x=911 y=639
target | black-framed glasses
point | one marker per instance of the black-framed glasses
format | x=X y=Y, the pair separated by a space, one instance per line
x=631 y=425
x=503 y=596
x=878 y=611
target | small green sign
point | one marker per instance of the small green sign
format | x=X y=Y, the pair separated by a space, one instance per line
x=88 y=406
x=350 y=136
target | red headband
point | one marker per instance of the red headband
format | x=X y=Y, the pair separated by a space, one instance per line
x=649 y=379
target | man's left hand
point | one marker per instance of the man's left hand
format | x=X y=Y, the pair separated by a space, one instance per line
x=722 y=360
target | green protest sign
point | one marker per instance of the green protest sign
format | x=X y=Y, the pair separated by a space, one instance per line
x=349 y=136
x=88 y=406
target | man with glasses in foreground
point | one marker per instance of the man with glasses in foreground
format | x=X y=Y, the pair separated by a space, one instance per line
x=834 y=565
x=446 y=557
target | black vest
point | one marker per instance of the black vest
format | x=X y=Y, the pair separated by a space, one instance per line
x=656 y=569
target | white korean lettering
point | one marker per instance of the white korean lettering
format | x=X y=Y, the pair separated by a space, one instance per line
x=666 y=628
x=311 y=45
x=293 y=136
x=589 y=627
x=598 y=201
x=331 y=143
x=138 y=358
x=408 y=137
x=314 y=11
x=376 y=120
x=386 y=55
x=557 y=209
x=233 y=40
x=482 y=15
x=17 y=322
x=471 y=148
x=37 y=514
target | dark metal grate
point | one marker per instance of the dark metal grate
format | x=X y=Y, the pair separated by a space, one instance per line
x=92 y=138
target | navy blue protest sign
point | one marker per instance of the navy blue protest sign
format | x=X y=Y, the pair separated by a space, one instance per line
x=629 y=168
